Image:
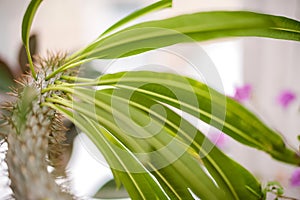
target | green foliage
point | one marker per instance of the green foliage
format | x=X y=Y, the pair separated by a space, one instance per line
x=151 y=149
x=187 y=28
x=6 y=77
x=181 y=29
x=191 y=176
x=275 y=188
x=110 y=190
x=210 y=106
x=110 y=108
x=153 y=7
x=6 y=71
x=26 y=26
x=22 y=57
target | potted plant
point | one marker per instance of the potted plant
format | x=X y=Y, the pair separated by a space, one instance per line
x=133 y=116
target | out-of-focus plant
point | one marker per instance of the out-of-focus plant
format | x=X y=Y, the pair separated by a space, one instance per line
x=8 y=73
x=132 y=117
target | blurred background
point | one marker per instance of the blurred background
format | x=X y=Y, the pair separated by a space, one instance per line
x=270 y=67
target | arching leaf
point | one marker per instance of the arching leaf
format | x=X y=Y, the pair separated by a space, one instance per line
x=174 y=157
x=182 y=173
x=228 y=115
x=233 y=179
x=26 y=27
x=145 y=10
x=23 y=60
x=139 y=185
x=188 y=28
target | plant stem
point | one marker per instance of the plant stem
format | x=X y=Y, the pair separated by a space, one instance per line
x=30 y=63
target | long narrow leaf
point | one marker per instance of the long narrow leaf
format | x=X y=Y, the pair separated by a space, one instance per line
x=139 y=185
x=192 y=27
x=145 y=10
x=244 y=185
x=28 y=18
x=26 y=26
x=241 y=186
x=238 y=122
x=189 y=174
x=183 y=29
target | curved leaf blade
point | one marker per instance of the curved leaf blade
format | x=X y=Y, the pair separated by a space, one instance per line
x=151 y=8
x=139 y=185
x=143 y=11
x=184 y=29
x=28 y=18
x=190 y=28
x=188 y=174
x=22 y=57
x=238 y=186
x=239 y=123
x=242 y=185
x=26 y=26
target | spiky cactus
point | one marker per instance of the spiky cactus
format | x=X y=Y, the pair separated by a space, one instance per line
x=35 y=136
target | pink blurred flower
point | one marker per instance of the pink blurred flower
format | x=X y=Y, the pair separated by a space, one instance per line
x=218 y=138
x=243 y=93
x=285 y=98
x=295 y=178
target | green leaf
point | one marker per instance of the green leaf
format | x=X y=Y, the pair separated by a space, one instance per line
x=174 y=154
x=26 y=26
x=22 y=57
x=6 y=77
x=110 y=190
x=184 y=29
x=143 y=11
x=212 y=107
x=174 y=157
x=176 y=177
x=28 y=18
x=151 y=8
x=190 y=28
x=276 y=187
x=235 y=181
x=139 y=185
